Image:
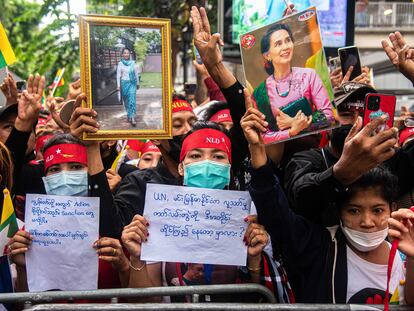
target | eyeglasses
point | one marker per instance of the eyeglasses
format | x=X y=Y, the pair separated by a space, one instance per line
x=409 y=122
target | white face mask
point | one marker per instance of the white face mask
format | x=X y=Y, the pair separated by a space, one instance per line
x=364 y=241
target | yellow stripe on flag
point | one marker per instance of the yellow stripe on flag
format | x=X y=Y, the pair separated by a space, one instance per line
x=5 y=47
x=8 y=209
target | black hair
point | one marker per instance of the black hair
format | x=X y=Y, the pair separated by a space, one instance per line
x=378 y=178
x=214 y=108
x=265 y=43
x=62 y=139
x=199 y=125
x=123 y=50
x=177 y=96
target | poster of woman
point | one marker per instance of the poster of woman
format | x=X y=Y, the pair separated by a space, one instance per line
x=287 y=74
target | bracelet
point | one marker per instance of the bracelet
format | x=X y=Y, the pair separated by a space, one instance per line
x=253 y=269
x=138 y=268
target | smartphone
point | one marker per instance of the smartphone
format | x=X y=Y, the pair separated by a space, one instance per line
x=377 y=105
x=21 y=85
x=349 y=56
x=190 y=88
x=334 y=63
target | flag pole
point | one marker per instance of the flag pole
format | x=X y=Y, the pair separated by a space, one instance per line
x=57 y=83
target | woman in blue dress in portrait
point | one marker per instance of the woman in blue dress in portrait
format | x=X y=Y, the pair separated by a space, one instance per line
x=127 y=82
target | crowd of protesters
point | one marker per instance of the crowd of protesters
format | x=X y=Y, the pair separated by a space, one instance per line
x=327 y=207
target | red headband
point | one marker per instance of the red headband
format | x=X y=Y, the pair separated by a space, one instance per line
x=206 y=138
x=135 y=144
x=41 y=141
x=41 y=121
x=222 y=116
x=65 y=153
x=406 y=133
x=149 y=147
x=181 y=105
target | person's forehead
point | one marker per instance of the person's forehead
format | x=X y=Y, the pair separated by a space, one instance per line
x=207 y=150
x=279 y=34
x=183 y=115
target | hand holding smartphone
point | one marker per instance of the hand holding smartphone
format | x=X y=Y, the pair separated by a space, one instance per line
x=377 y=105
x=349 y=56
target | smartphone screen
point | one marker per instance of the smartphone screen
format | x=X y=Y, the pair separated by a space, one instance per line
x=377 y=105
x=197 y=57
x=349 y=56
x=21 y=86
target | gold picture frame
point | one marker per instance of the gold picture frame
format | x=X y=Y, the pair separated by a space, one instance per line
x=101 y=49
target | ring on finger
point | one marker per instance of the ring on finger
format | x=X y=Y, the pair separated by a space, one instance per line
x=113 y=251
x=10 y=248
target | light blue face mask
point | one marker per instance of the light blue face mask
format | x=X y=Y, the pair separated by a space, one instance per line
x=207 y=174
x=73 y=183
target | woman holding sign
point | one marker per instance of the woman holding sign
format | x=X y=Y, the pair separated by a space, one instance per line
x=71 y=168
x=205 y=162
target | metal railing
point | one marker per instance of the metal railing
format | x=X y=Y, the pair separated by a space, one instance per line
x=216 y=307
x=132 y=293
x=385 y=15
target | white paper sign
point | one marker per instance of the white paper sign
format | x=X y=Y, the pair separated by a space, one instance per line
x=195 y=225
x=61 y=255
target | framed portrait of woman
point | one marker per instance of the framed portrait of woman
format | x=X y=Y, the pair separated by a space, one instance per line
x=126 y=75
x=287 y=74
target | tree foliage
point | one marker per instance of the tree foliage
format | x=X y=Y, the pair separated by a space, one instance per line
x=41 y=48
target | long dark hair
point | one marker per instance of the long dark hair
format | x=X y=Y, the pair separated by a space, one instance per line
x=265 y=43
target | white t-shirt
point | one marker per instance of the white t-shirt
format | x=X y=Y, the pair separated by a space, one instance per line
x=367 y=282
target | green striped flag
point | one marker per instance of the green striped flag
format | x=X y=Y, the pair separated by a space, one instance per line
x=7 y=56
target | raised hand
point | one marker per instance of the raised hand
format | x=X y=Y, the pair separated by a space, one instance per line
x=208 y=45
x=113 y=179
x=400 y=54
x=29 y=103
x=401 y=227
x=74 y=89
x=364 y=151
x=253 y=122
x=255 y=238
x=9 y=89
x=135 y=234
x=82 y=119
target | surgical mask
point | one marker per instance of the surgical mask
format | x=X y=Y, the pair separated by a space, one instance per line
x=338 y=136
x=74 y=183
x=207 y=174
x=364 y=241
x=175 y=147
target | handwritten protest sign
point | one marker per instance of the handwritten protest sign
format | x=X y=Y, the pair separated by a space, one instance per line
x=195 y=225
x=63 y=230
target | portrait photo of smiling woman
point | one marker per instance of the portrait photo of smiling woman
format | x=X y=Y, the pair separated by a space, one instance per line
x=290 y=92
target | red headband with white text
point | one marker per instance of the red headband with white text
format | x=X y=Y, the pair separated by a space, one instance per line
x=181 y=105
x=222 y=116
x=206 y=138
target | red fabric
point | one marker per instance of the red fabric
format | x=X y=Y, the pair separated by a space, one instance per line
x=65 y=153
x=222 y=116
x=324 y=139
x=135 y=145
x=206 y=138
x=41 y=141
x=149 y=147
x=406 y=133
x=41 y=121
x=213 y=90
x=181 y=105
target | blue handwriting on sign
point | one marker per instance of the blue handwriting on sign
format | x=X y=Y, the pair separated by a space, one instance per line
x=38 y=211
x=177 y=213
x=74 y=235
x=194 y=199
x=176 y=231
x=223 y=217
x=236 y=203
x=160 y=197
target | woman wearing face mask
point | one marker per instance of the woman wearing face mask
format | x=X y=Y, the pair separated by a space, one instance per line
x=205 y=162
x=70 y=167
x=341 y=264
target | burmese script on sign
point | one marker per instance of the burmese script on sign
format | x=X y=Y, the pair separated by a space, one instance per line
x=194 y=225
